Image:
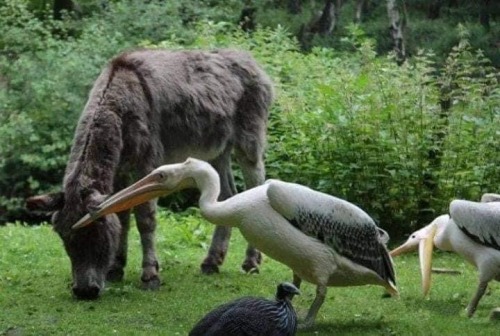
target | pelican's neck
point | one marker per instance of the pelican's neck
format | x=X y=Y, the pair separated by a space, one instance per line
x=442 y=238
x=208 y=182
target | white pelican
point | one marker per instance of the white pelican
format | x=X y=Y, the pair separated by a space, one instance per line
x=473 y=231
x=324 y=240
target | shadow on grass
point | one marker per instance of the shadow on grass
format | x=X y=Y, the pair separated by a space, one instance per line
x=448 y=307
x=346 y=328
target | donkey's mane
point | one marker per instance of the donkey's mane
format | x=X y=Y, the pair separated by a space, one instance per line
x=96 y=172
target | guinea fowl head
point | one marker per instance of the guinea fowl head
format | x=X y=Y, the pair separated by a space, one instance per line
x=286 y=290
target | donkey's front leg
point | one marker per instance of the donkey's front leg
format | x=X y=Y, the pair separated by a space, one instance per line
x=220 y=239
x=116 y=271
x=146 y=223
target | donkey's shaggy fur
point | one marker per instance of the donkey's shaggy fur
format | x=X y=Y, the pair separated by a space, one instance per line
x=148 y=108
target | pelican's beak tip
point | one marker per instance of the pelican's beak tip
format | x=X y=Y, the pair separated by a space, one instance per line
x=84 y=221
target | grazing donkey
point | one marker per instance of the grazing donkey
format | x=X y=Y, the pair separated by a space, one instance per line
x=148 y=108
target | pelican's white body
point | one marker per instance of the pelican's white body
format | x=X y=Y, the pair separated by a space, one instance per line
x=269 y=217
x=267 y=230
x=486 y=259
x=479 y=219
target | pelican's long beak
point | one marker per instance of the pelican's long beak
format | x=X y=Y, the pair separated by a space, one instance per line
x=425 y=255
x=424 y=239
x=150 y=187
x=404 y=248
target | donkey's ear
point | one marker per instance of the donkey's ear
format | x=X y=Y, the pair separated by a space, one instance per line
x=46 y=202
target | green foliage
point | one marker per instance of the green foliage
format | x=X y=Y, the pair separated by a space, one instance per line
x=187 y=227
x=362 y=128
x=470 y=160
x=35 y=277
x=46 y=71
x=43 y=95
x=346 y=121
x=22 y=32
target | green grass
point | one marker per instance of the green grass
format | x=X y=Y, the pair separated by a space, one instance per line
x=35 y=297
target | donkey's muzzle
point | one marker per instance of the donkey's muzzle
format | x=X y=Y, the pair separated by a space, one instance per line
x=90 y=292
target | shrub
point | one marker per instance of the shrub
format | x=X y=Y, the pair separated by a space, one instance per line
x=351 y=124
x=45 y=79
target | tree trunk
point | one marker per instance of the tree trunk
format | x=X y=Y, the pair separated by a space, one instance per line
x=336 y=11
x=396 y=30
x=322 y=24
x=360 y=4
x=326 y=22
x=60 y=6
x=434 y=9
x=484 y=14
x=294 y=6
x=247 y=18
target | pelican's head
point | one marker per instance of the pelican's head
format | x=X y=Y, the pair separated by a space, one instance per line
x=423 y=239
x=162 y=181
x=489 y=197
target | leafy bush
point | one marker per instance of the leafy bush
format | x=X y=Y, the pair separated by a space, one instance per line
x=45 y=79
x=400 y=141
x=362 y=128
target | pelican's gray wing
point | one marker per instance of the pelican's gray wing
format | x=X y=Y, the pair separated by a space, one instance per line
x=489 y=197
x=337 y=223
x=479 y=221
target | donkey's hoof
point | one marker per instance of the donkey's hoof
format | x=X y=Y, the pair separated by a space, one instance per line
x=209 y=268
x=152 y=283
x=252 y=262
x=115 y=275
x=250 y=267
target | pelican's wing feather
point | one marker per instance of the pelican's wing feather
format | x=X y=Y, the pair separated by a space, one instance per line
x=479 y=221
x=489 y=197
x=337 y=223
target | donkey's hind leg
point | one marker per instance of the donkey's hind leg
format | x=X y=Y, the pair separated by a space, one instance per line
x=253 y=171
x=220 y=239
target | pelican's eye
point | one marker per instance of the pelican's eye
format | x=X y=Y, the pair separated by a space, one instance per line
x=413 y=236
x=161 y=175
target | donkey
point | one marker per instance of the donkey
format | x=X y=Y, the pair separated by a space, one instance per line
x=148 y=108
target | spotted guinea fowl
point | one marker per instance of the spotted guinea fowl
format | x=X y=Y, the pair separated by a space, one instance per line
x=324 y=240
x=252 y=316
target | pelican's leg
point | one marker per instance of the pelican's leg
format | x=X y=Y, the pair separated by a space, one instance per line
x=313 y=311
x=296 y=281
x=481 y=289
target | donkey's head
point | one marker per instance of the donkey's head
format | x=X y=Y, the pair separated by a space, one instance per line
x=91 y=250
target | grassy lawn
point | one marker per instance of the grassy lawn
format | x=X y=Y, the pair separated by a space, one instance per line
x=35 y=297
